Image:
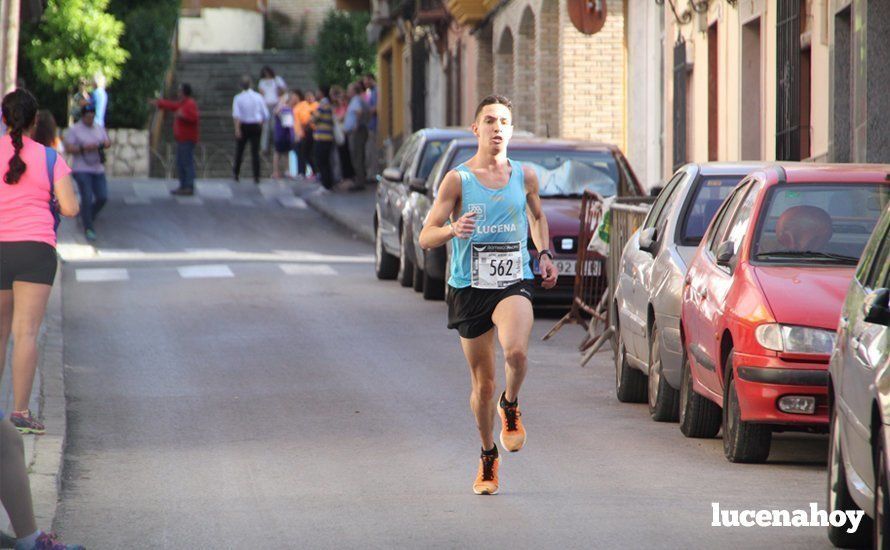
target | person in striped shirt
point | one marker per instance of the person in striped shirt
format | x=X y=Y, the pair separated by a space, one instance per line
x=323 y=121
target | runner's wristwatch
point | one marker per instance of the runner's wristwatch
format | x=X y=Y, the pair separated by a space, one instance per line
x=545 y=251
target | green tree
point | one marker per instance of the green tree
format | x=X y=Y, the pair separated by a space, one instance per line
x=343 y=52
x=75 y=40
x=149 y=30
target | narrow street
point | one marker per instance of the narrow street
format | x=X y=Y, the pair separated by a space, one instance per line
x=237 y=378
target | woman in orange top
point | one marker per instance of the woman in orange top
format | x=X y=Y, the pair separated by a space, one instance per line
x=303 y=114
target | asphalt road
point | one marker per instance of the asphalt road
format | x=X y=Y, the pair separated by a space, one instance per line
x=281 y=397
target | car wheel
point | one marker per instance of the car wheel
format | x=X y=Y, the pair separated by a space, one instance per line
x=664 y=401
x=880 y=517
x=386 y=266
x=417 y=281
x=630 y=384
x=699 y=417
x=839 y=498
x=406 y=267
x=433 y=289
x=742 y=441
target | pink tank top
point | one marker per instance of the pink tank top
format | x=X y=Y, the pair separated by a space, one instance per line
x=24 y=207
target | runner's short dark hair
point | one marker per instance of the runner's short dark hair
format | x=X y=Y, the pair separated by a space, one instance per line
x=186 y=89
x=494 y=100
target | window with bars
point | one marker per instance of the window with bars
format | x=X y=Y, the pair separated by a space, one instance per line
x=792 y=83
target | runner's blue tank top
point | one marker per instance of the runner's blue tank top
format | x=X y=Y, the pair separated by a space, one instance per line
x=500 y=218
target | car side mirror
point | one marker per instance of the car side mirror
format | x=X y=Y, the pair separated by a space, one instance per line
x=725 y=253
x=876 y=307
x=393 y=173
x=648 y=240
x=418 y=185
x=655 y=190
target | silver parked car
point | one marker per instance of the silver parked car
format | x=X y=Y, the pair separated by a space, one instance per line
x=859 y=394
x=649 y=291
x=408 y=169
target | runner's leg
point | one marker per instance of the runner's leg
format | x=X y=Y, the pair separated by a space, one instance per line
x=5 y=325
x=514 y=318
x=15 y=489
x=480 y=358
x=30 y=307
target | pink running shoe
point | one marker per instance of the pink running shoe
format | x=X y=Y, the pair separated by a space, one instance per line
x=25 y=422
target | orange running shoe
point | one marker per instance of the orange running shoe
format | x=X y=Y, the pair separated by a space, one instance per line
x=487 y=479
x=512 y=431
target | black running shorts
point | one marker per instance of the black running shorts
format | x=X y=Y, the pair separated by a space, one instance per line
x=470 y=309
x=28 y=261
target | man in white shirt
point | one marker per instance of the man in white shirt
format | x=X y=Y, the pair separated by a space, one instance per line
x=249 y=113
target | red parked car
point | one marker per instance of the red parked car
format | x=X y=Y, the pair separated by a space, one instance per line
x=763 y=297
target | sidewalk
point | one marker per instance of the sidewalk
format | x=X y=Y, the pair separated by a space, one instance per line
x=43 y=454
x=353 y=210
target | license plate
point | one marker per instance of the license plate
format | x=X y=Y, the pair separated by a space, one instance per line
x=568 y=267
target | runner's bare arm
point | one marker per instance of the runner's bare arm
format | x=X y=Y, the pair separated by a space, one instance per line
x=434 y=232
x=63 y=189
x=537 y=223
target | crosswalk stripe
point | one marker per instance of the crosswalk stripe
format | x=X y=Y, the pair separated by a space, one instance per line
x=94 y=275
x=205 y=271
x=307 y=269
x=293 y=202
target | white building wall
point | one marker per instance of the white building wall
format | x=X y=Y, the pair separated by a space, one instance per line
x=436 y=108
x=221 y=30
x=644 y=90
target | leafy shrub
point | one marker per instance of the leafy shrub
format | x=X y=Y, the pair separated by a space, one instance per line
x=343 y=53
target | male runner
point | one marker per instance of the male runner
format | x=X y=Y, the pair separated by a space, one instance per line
x=492 y=203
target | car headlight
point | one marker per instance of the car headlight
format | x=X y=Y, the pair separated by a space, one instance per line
x=794 y=339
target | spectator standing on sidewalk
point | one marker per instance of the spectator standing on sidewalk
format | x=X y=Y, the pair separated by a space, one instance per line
x=356 y=127
x=373 y=167
x=99 y=98
x=249 y=113
x=283 y=116
x=27 y=245
x=303 y=111
x=323 y=133
x=86 y=142
x=338 y=99
x=185 y=132
x=46 y=132
x=268 y=87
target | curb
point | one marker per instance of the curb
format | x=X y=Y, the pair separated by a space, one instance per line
x=45 y=470
x=365 y=233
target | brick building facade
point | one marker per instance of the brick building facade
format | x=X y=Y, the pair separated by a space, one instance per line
x=563 y=83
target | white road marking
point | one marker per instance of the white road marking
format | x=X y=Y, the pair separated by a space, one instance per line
x=303 y=269
x=94 y=275
x=293 y=202
x=151 y=190
x=214 y=190
x=136 y=201
x=192 y=201
x=205 y=272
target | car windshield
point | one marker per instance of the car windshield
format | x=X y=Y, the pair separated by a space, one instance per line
x=818 y=223
x=565 y=173
x=432 y=151
x=709 y=195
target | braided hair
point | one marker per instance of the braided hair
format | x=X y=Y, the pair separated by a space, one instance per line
x=19 y=111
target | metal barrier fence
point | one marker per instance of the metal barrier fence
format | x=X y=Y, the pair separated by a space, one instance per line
x=590 y=283
x=626 y=215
